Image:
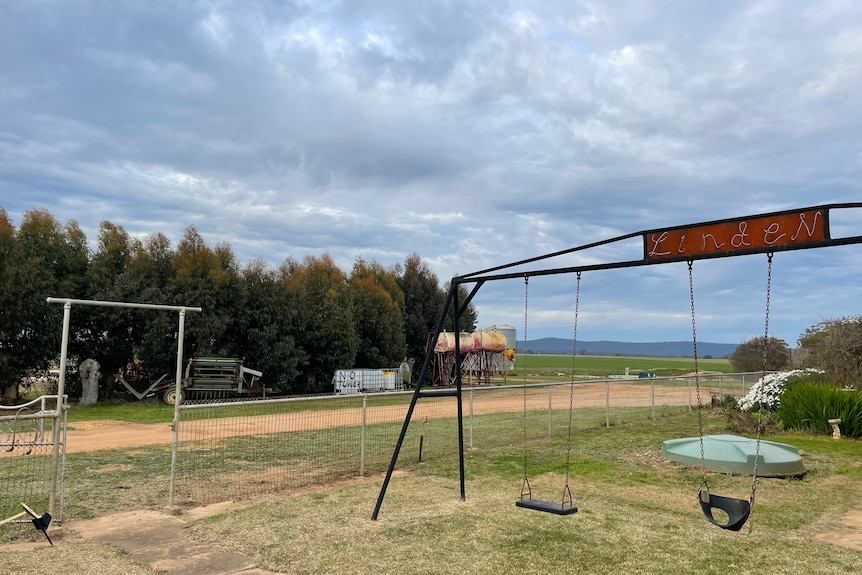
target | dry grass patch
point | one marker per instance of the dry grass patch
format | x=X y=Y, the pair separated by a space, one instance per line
x=72 y=558
x=424 y=528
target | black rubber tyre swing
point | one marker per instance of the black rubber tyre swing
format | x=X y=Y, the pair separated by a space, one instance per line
x=737 y=511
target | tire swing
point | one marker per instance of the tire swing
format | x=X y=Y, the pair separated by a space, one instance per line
x=738 y=511
x=566 y=504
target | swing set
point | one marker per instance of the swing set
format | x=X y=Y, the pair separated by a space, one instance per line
x=768 y=233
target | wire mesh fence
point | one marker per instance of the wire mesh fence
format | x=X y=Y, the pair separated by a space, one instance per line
x=240 y=449
x=27 y=474
x=235 y=450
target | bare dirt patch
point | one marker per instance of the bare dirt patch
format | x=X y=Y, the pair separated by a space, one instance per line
x=84 y=425
x=89 y=436
x=109 y=468
x=849 y=534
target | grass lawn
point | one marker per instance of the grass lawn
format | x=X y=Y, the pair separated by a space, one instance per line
x=638 y=514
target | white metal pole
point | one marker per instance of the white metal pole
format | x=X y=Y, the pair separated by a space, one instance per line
x=67 y=306
x=471 y=419
x=652 y=396
x=177 y=402
x=59 y=416
x=689 y=394
x=607 y=403
x=363 y=436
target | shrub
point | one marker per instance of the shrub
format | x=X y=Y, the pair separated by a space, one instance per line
x=766 y=393
x=811 y=406
x=727 y=403
x=750 y=355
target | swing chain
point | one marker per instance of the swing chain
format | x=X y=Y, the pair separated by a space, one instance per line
x=766 y=326
x=762 y=375
x=696 y=370
x=567 y=493
x=526 y=490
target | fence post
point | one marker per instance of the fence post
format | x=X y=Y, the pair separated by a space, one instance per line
x=720 y=389
x=607 y=403
x=59 y=418
x=652 y=397
x=550 y=406
x=471 y=419
x=362 y=436
x=689 y=394
x=175 y=443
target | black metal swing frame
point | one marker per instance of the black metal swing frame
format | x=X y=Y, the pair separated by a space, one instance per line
x=773 y=232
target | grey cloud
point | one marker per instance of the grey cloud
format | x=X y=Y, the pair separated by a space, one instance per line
x=475 y=133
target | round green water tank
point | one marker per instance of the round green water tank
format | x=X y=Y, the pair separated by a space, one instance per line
x=735 y=454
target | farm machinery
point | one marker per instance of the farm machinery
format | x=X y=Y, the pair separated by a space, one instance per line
x=205 y=378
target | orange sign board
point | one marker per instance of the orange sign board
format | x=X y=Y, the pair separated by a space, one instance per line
x=758 y=233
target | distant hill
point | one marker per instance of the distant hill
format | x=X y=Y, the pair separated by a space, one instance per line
x=557 y=345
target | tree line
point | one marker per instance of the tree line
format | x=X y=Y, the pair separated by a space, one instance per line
x=297 y=322
x=833 y=346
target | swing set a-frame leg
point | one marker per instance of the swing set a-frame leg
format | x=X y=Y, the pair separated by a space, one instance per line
x=451 y=301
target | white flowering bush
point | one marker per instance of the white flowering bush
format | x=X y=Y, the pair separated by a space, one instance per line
x=766 y=393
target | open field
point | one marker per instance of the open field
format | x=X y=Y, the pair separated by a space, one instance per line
x=604 y=366
x=544 y=368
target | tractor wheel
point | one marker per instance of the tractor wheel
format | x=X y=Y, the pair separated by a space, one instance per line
x=169 y=397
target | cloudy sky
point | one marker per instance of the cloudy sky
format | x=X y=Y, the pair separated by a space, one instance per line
x=473 y=133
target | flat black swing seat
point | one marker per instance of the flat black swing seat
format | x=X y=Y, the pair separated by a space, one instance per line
x=737 y=510
x=554 y=507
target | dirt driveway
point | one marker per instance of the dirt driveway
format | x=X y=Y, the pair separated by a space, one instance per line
x=109 y=434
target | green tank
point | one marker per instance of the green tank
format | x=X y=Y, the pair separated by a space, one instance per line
x=735 y=455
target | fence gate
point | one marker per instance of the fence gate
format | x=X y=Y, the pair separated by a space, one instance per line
x=32 y=458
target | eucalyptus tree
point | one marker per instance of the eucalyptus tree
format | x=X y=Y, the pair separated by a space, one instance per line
x=378 y=312
x=13 y=364
x=423 y=303
x=109 y=334
x=150 y=275
x=262 y=330
x=469 y=316
x=39 y=260
x=326 y=330
x=207 y=278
